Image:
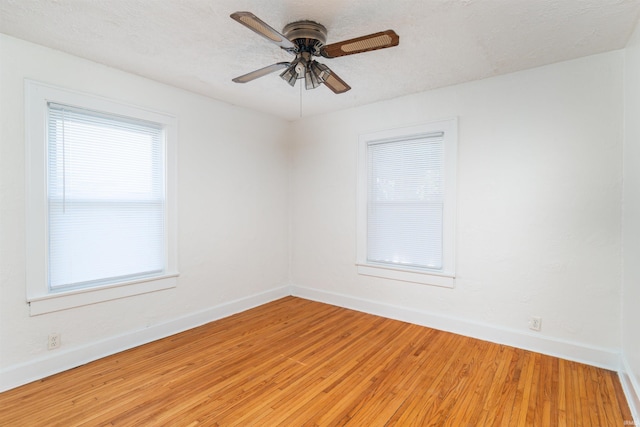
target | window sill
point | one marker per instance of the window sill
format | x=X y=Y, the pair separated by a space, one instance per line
x=413 y=276
x=77 y=298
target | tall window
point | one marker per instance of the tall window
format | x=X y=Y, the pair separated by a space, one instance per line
x=105 y=198
x=407 y=203
x=101 y=220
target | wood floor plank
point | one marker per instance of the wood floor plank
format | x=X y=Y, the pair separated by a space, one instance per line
x=295 y=362
x=494 y=365
x=501 y=412
x=497 y=394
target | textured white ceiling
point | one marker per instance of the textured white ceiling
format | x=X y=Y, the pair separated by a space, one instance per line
x=193 y=44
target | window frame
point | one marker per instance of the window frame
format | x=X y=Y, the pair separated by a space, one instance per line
x=444 y=277
x=38 y=295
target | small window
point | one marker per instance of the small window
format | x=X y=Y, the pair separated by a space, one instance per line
x=101 y=222
x=406 y=208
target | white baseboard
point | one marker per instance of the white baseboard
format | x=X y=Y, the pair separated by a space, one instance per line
x=595 y=356
x=62 y=360
x=631 y=389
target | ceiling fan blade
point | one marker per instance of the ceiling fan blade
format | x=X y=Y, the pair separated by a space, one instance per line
x=374 y=41
x=261 y=72
x=335 y=83
x=257 y=25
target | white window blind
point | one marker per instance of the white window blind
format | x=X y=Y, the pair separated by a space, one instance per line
x=405 y=200
x=106 y=198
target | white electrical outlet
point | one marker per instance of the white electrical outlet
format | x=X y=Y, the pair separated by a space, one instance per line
x=535 y=323
x=54 y=341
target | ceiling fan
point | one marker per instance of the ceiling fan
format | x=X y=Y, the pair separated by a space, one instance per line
x=306 y=39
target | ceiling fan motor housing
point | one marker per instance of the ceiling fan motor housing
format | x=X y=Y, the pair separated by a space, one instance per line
x=308 y=36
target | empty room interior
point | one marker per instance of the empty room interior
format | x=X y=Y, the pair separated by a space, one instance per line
x=419 y=212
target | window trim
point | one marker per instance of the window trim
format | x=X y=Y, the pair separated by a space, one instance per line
x=40 y=299
x=446 y=276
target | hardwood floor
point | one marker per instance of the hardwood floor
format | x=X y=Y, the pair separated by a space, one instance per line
x=295 y=362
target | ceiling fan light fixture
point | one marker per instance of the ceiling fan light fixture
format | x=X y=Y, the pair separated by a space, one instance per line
x=310 y=80
x=293 y=72
x=320 y=70
x=290 y=75
x=316 y=74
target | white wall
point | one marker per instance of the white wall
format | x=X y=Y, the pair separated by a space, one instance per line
x=539 y=212
x=232 y=203
x=631 y=226
x=539 y=209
